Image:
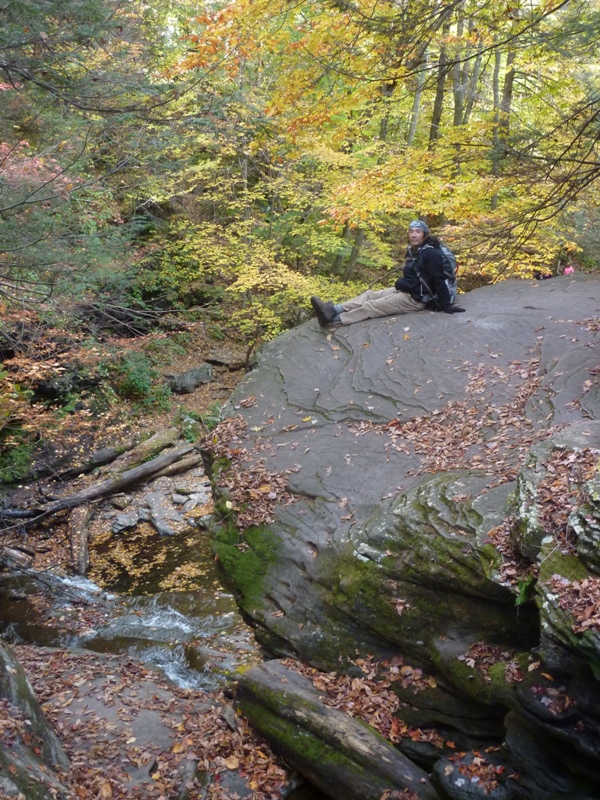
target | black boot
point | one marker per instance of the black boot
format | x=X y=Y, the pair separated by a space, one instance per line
x=325 y=311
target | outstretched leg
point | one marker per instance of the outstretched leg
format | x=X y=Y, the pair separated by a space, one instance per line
x=378 y=303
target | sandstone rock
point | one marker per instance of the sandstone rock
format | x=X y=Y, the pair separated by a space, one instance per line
x=414 y=445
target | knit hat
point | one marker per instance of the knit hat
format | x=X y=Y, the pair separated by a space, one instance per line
x=418 y=223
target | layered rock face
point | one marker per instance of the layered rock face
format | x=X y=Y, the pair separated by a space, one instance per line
x=443 y=512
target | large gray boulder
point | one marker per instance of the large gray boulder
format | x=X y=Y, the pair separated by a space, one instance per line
x=423 y=453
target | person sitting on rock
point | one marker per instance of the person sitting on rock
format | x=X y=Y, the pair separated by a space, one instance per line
x=422 y=285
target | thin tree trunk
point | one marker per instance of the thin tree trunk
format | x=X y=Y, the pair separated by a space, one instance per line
x=359 y=240
x=502 y=113
x=507 y=95
x=416 y=109
x=457 y=81
x=438 y=105
x=387 y=90
x=496 y=133
x=472 y=88
x=339 y=259
x=464 y=72
x=78 y=536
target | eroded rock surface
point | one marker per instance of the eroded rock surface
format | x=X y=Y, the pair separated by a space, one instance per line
x=424 y=452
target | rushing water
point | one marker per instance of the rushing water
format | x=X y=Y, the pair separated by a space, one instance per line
x=196 y=636
x=197 y=640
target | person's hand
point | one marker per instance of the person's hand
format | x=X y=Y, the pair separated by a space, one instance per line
x=453 y=309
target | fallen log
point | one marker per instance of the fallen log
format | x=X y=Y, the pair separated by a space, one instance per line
x=98 y=459
x=78 y=537
x=103 y=488
x=342 y=756
x=18 y=513
x=122 y=481
x=14 y=559
x=129 y=454
x=180 y=466
x=144 y=451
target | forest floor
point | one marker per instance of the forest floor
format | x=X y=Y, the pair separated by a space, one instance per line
x=68 y=427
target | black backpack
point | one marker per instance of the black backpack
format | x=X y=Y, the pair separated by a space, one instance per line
x=450 y=269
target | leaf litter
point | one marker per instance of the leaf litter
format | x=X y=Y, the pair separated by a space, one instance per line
x=475 y=435
x=252 y=491
x=370 y=696
x=129 y=733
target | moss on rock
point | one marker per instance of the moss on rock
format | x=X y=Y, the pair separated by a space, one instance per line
x=246 y=560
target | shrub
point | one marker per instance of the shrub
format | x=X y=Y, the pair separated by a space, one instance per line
x=134 y=379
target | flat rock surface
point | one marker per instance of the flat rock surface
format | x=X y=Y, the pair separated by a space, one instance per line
x=362 y=413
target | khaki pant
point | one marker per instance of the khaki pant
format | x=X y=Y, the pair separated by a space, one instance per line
x=378 y=303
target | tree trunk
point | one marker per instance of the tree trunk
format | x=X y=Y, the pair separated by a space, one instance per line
x=98 y=459
x=179 y=466
x=416 y=109
x=387 y=90
x=507 y=95
x=440 y=86
x=339 y=259
x=150 y=469
x=472 y=86
x=502 y=110
x=359 y=240
x=326 y=746
x=78 y=537
x=457 y=81
x=496 y=135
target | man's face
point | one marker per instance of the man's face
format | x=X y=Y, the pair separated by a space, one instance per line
x=416 y=236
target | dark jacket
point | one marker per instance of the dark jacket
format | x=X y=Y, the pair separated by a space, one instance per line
x=423 y=275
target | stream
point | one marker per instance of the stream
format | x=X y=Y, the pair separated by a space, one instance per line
x=195 y=636
x=152 y=590
x=153 y=597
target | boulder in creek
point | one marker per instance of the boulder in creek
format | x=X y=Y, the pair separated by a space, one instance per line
x=421 y=490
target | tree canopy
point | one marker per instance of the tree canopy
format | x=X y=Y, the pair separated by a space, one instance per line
x=269 y=150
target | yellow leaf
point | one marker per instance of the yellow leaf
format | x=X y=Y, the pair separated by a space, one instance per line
x=178 y=747
x=232 y=762
x=306 y=419
x=106 y=790
x=264 y=488
x=155 y=776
